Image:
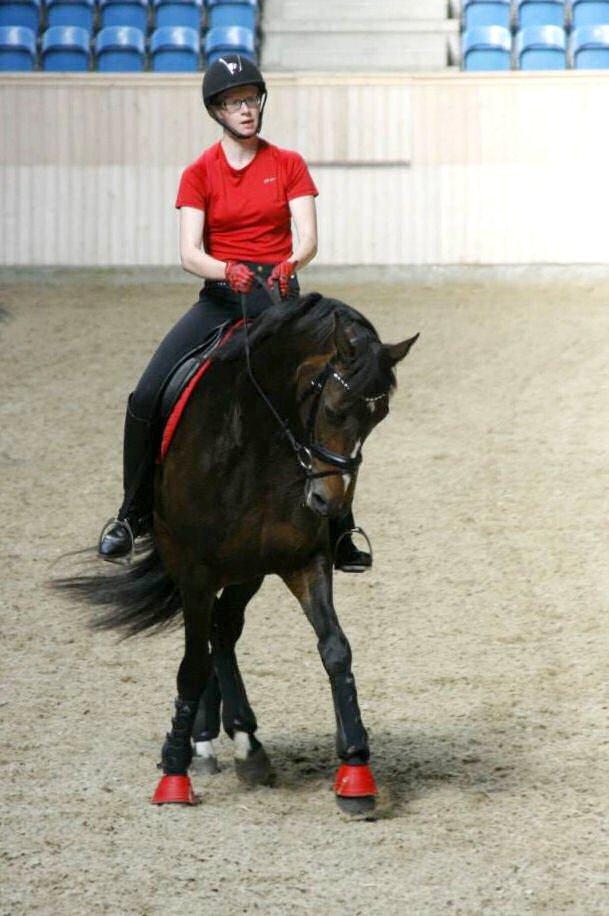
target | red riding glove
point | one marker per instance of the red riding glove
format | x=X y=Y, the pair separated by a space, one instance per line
x=281 y=274
x=239 y=277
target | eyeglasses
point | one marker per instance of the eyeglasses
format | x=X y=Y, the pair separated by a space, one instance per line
x=233 y=105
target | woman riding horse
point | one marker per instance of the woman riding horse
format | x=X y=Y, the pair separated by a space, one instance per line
x=236 y=202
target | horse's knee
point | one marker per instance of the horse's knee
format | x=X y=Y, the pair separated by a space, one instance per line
x=335 y=653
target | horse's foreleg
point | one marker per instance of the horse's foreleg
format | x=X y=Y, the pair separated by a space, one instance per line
x=312 y=586
x=193 y=673
x=238 y=718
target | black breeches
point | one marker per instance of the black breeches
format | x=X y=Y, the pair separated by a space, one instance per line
x=216 y=305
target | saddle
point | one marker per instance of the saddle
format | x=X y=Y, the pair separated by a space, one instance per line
x=183 y=380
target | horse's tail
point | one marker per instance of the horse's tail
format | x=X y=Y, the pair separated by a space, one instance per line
x=141 y=596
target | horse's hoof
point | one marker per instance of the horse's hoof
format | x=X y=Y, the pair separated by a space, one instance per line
x=355 y=789
x=255 y=769
x=174 y=790
x=206 y=766
x=204 y=760
x=356 y=807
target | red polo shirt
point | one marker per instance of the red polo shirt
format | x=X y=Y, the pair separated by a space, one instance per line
x=247 y=214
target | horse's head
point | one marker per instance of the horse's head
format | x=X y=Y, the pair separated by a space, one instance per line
x=344 y=394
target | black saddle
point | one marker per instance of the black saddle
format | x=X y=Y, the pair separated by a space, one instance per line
x=183 y=371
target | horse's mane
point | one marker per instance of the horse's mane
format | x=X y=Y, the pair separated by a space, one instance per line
x=311 y=318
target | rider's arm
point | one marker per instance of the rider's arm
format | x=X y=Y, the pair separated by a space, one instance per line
x=192 y=255
x=305 y=221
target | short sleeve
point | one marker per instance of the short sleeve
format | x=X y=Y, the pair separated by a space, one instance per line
x=298 y=178
x=192 y=191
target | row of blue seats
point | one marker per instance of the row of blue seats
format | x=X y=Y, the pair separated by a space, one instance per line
x=520 y=14
x=120 y=48
x=536 y=48
x=136 y=13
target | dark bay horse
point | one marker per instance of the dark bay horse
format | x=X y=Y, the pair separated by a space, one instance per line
x=246 y=490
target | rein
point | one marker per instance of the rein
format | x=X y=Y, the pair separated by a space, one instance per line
x=304 y=453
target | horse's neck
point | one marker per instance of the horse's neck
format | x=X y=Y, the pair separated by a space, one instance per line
x=283 y=361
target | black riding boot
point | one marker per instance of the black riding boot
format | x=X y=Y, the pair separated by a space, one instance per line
x=116 y=539
x=347 y=557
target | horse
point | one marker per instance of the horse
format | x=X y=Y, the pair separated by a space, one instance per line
x=266 y=455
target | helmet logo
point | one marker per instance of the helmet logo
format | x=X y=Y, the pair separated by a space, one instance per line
x=232 y=66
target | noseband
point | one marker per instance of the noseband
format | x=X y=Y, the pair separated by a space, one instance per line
x=344 y=464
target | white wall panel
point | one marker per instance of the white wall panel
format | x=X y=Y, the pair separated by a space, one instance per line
x=438 y=168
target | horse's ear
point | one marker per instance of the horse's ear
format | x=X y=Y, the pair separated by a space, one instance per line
x=396 y=352
x=345 y=339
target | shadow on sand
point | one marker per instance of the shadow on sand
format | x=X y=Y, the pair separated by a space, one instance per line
x=408 y=763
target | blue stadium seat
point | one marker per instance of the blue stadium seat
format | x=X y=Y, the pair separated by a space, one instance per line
x=124 y=12
x=226 y=40
x=120 y=49
x=178 y=12
x=25 y=13
x=71 y=12
x=541 y=47
x=232 y=12
x=541 y=12
x=175 y=49
x=17 y=48
x=589 y=12
x=65 y=47
x=486 y=12
x=487 y=48
x=590 y=47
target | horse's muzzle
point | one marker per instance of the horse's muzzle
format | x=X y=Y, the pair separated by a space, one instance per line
x=319 y=502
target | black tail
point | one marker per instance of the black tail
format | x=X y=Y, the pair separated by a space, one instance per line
x=133 y=598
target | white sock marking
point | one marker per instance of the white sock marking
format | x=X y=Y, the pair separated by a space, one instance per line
x=242 y=745
x=204 y=749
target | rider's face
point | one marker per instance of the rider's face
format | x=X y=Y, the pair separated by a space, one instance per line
x=246 y=117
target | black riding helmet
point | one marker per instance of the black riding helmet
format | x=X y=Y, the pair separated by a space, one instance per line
x=228 y=72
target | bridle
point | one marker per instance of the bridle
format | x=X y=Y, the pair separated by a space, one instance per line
x=344 y=464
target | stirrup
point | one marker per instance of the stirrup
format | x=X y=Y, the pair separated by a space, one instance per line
x=348 y=533
x=122 y=561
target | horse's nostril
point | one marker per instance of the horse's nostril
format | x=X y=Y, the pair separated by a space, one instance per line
x=318 y=504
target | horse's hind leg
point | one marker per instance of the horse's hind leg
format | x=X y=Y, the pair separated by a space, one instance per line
x=207 y=726
x=251 y=762
x=193 y=673
x=239 y=719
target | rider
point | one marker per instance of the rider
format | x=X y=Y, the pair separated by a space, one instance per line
x=236 y=202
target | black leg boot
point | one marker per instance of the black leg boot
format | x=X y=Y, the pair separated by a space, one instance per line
x=347 y=557
x=117 y=537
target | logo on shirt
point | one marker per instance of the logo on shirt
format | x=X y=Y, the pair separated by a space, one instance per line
x=268 y=180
